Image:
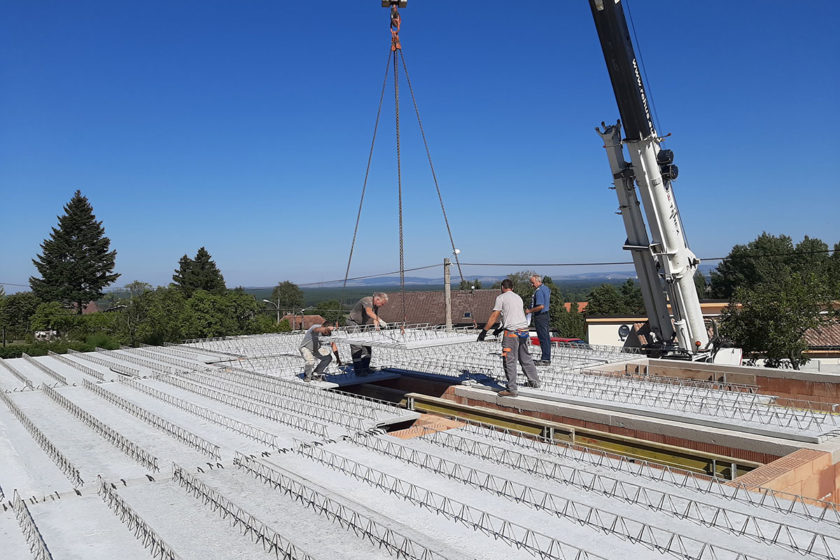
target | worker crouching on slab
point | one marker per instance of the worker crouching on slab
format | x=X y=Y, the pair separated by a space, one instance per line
x=366 y=311
x=317 y=357
x=515 y=338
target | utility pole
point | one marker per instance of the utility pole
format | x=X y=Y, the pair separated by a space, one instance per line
x=447 y=293
x=276 y=306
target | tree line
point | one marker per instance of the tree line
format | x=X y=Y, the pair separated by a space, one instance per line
x=75 y=266
x=776 y=291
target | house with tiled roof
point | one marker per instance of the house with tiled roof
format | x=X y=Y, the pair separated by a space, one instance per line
x=468 y=307
x=581 y=306
x=303 y=322
x=824 y=342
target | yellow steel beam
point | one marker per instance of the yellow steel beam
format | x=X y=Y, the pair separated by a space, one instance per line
x=682 y=457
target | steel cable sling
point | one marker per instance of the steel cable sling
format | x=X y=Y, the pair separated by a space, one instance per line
x=395 y=21
x=399 y=182
x=364 y=184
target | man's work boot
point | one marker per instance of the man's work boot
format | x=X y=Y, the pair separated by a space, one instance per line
x=506 y=393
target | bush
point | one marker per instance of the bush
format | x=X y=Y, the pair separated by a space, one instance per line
x=95 y=324
x=42 y=348
x=102 y=340
x=264 y=324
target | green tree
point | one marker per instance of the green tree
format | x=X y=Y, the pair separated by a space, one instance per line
x=266 y=324
x=467 y=284
x=208 y=316
x=522 y=285
x=161 y=316
x=135 y=312
x=137 y=288
x=52 y=316
x=568 y=324
x=200 y=273
x=98 y=329
x=243 y=308
x=75 y=264
x=701 y=285
x=331 y=311
x=631 y=294
x=774 y=316
x=605 y=300
x=16 y=313
x=288 y=296
x=110 y=302
x=765 y=259
x=834 y=267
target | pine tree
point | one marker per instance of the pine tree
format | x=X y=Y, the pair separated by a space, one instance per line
x=200 y=273
x=76 y=263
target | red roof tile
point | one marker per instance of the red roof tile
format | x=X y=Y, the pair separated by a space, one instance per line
x=308 y=321
x=827 y=335
x=428 y=307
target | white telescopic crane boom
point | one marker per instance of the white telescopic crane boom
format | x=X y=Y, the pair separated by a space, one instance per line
x=667 y=252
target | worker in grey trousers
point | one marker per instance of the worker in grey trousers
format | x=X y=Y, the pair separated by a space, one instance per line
x=317 y=357
x=366 y=311
x=515 y=338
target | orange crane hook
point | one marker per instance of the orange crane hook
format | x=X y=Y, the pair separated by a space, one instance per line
x=395 y=21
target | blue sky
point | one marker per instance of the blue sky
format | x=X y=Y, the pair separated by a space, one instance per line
x=245 y=127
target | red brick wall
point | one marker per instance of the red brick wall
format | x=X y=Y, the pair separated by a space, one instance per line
x=806 y=473
x=798 y=389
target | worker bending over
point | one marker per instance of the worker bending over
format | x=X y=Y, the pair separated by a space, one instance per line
x=515 y=338
x=317 y=357
x=366 y=311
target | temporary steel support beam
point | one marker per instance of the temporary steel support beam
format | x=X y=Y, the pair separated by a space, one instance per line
x=712 y=464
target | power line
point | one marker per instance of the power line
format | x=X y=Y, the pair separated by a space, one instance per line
x=617 y=263
x=532 y=265
x=370 y=275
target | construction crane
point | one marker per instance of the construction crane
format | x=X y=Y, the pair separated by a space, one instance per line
x=664 y=263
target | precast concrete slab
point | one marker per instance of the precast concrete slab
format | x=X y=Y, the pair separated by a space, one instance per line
x=757 y=419
x=309 y=473
x=407 y=339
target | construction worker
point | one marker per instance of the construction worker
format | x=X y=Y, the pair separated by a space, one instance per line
x=539 y=308
x=515 y=338
x=366 y=311
x=317 y=357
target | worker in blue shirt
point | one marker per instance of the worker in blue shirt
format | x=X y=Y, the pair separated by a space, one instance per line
x=539 y=310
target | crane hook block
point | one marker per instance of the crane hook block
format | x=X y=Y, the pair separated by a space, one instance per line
x=395 y=25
